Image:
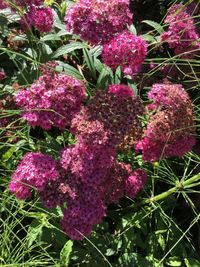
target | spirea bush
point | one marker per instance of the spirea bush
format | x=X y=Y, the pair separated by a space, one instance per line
x=99 y=133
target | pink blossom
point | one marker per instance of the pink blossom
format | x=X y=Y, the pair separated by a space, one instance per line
x=3 y=4
x=169 y=96
x=126 y=50
x=35 y=170
x=53 y=100
x=97 y=21
x=2 y=75
x=135 y=183
x=181 y=35
x=170 y=131
x=117 y=111
x=41 y=18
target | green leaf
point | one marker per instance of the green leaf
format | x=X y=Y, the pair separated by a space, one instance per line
x=34 y=232
x=65 y=253
x=110 y=252
x=174 y=261
x=132 y=29
x=133 y=85
x=8 y=154
x=133 y=260
x=191 y=262
x=118 y=75
x=105 y=78
x=89 y=62
x=154 y=25
x=149 y=38
x=68 y=69
x=161 y=241
x=65 y=49
x=51 y=37
x=96 y=51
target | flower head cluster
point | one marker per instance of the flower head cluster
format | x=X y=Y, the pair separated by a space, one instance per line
x=3 y=4
x=100 y=127
x=117 y=110
x=97 y=21
x=20 y=3
x=126 y=50
x=53 y=100
x=88 y=176
x=41 y=18
x=168 y=96
x=2 y=75
x=85 y=162
x=25 y=3
x=170 y=131
x=135 y=182
x=59 y=191
x=115 y=186
x=35 y=170
x=83 y=212
x=181 y=35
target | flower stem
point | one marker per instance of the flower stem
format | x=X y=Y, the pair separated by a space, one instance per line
x=179 y=187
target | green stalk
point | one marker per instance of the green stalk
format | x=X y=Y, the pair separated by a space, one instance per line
x=179 y=187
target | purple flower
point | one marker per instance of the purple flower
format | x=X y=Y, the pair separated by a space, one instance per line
x=181 y=35
x=135 y=183
x=2 y=75
x=41 y=18
x=170 y=131
x=97 y=21
x=35 y=170
x=126 y=50
x=53 y=100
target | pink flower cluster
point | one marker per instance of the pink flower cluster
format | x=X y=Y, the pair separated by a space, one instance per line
x=170 y=131
x=3 y=4
x=126 y=50
x=97 y=21
x=35 y=14
x=117 y=110
x=24 y=3
x=40 y=17
x=20 y=3
x=88 y=176
x=135 y=182
x=53 y=100
x=2 y=75
x=181 y=35
x=35 y=170
x=100 y=128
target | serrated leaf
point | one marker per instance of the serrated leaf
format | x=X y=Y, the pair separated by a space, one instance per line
x=65 y=49
x=65 y=253
x=154 y=25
